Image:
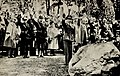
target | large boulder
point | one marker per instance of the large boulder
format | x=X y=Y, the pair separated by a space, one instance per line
x=92 y=59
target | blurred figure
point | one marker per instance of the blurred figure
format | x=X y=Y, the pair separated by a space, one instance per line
x=93 y=30
x=24 y=37
x=10 y=38
x=2 y=36
x=52 y=34
x=116 y=28
x=18 y=23
x=117 y=41
x=60 y=39
x=68 y=36
x=21 y=23
x=84 y=31
x=19 y=26
x=31 y=27
x=105 y=32
x=41 y=35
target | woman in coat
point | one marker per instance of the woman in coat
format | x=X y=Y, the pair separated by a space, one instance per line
x=11 y=37
x=52 y=34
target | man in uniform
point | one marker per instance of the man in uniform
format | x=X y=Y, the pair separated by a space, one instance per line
x=40 y=36
x=31 y=28
x=24 y=37
x=68 y=37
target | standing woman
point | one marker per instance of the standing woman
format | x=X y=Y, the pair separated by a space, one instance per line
x=10 y=38
x=52 y=34
x=84 y=31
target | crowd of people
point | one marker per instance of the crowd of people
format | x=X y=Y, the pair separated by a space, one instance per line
x=49 y=32
x=28 y=33
x=95 y=30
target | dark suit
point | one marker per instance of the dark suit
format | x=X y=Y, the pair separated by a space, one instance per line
x=24 y=39
x=92 y=32
x=31 y=35
x=2 y=37
x=68 y=37
x=41 y=34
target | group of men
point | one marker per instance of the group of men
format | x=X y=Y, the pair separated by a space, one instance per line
x=31 y=30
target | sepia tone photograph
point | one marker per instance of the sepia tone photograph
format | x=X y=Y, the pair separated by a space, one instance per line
x=59 y=37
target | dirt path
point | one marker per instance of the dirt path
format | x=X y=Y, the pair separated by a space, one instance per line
x=47 y=66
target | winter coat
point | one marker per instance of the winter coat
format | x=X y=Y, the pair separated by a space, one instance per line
x=52 y=33
x=11 y=37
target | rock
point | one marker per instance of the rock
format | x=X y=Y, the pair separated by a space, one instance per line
x=94 y=58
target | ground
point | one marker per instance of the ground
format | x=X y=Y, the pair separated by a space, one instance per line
x=33 y=66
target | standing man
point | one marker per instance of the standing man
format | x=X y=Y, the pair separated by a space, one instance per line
x=3 y=26
x=24 y=38
x=2 y=35
x=41 y=34
x=31 y=27
x=91 y=30
x=67 y=38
